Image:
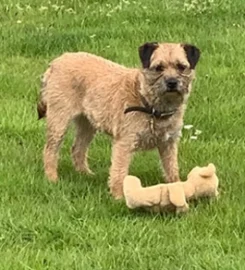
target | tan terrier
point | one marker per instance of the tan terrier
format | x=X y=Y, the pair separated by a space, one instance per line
x=141 y=109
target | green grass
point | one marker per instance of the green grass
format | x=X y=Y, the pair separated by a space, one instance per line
x=76 y=224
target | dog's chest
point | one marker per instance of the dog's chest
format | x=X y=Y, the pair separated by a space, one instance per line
x=154 y=134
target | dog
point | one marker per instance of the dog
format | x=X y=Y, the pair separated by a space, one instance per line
x=140 y=108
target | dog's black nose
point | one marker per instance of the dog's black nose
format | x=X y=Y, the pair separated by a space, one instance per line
x=171 y=84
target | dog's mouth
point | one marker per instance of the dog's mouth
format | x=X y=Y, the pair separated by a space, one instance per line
x=173 y=92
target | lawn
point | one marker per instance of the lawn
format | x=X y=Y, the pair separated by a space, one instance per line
x=76 y=224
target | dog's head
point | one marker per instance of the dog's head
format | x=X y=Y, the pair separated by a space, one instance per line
x=168 y=70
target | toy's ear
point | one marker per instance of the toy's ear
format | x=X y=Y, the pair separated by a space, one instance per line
x=176 y=194
x=193 y=171
x=208 y=171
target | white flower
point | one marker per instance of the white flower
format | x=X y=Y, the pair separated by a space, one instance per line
x=198 y=132
x=28 y=7
x=70 y=10
x=126 y=2
x=19 y=7
x=56 y=7
x=193 y=137
x=188 y=126
x=42 y=8
x=19 y=21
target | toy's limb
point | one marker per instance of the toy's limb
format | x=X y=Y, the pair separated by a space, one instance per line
x=132 y=190
x=137 y=196
x=168 y=152
x=177 y=195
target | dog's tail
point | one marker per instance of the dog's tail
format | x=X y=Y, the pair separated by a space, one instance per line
x=42 y=104
x=41 y=109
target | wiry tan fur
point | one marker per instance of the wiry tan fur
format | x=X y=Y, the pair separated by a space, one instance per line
x=93 y=93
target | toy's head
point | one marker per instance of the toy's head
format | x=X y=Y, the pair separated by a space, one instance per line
x=204 y=180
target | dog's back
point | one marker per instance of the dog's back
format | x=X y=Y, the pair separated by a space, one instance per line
x=83 y=83
x=62 y=68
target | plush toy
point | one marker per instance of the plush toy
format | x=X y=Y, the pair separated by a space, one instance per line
x=201 y=182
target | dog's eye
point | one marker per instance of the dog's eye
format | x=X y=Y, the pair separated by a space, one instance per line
x=181 y=67
x=159 y=68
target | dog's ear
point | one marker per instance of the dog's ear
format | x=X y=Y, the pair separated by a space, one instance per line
x=192 y=54
x=145 y=52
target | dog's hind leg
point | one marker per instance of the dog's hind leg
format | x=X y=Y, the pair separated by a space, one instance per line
x=84 y=135
x=57 y=123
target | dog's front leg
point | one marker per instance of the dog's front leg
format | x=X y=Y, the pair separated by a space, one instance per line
x=120 y=160
x=169 y=157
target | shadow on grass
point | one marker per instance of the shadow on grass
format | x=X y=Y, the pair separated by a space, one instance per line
x=68 y=173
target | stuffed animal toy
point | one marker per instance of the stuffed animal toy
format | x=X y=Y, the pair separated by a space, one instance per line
x=201 y=182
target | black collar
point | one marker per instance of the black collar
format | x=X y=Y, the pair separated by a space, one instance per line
x=150 y=110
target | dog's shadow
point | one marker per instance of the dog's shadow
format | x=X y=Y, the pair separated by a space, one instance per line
x=93 y=182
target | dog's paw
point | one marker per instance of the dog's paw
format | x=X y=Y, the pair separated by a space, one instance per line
x=117 y=195
x=88 y=172
x=85 y=170
x=52 y=177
